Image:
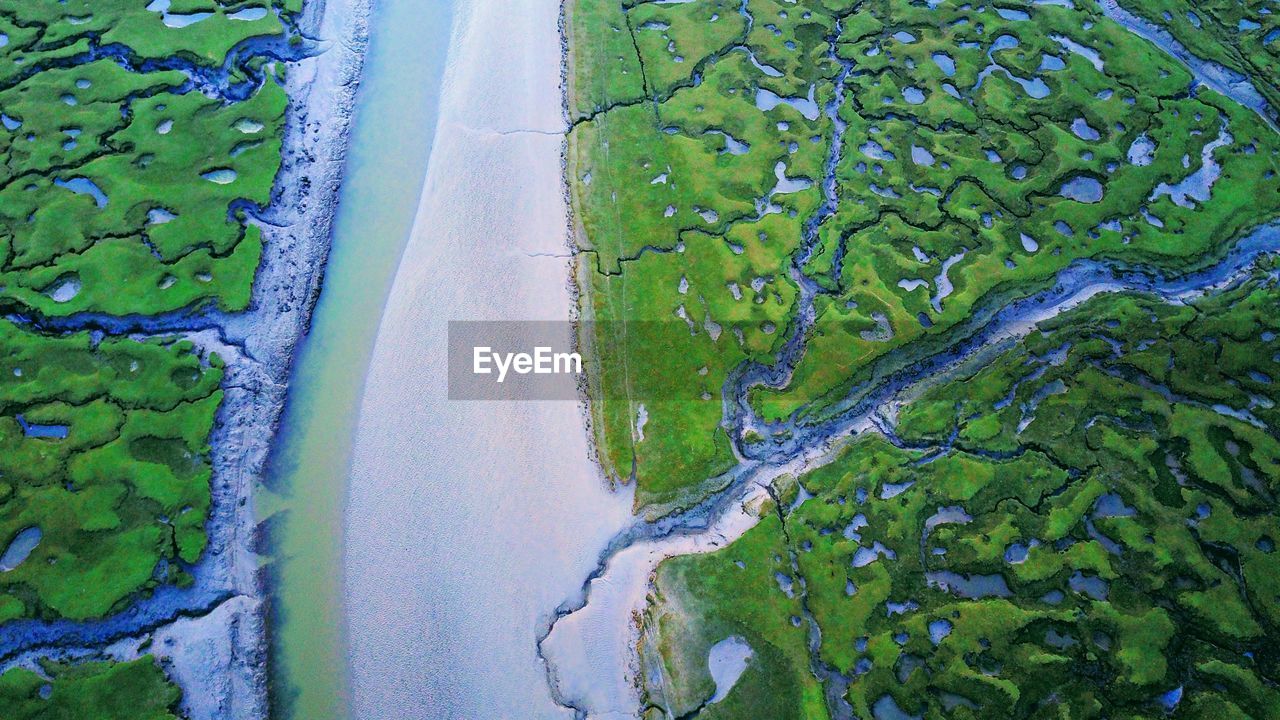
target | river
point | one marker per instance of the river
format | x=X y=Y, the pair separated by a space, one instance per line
x=390 y=143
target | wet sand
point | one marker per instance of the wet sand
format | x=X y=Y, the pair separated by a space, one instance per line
x=468 y=523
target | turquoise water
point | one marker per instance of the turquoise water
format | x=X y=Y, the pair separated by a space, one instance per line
x=386 y=163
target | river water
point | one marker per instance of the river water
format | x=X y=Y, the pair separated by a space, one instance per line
x=390 y=143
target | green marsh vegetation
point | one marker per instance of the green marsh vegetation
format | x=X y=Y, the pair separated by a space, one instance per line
x=1081 y=523
x=972 y=152
x=120 y=184
x=667 y=201
x=135 y=690
x=136 y=141
x=1096 y=538
x=121 y=194
x=202 y=31
x=119 y=487
x=1240 y=36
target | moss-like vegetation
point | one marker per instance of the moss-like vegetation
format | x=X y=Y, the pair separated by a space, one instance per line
x=1083 y=527
x=120 y=190
x=1241 y=36
x=120 y=488
x=671 y=197
x=134 y=137
x=199 y=31
x=136 y=690
x=701 y=205
x=136 y=140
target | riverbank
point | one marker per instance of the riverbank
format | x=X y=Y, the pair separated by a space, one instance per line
x=220 y=659
x=469 y=522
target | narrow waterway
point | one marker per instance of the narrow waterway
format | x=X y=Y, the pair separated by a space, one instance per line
x=390 y=144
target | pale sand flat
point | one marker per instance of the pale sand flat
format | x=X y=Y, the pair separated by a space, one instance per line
x=469 y=523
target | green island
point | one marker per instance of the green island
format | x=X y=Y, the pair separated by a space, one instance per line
x=783 y=207
x=138 y=141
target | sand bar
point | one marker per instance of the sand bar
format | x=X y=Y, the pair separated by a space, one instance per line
x=468 y=523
